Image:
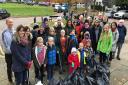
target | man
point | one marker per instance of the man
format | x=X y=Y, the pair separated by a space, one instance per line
x=7 y=39
x=122 y=33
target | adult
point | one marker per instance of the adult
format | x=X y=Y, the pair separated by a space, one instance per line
x=122 y=33
x=85 y=28
x=58 y=26
x=69 y=27
x=95 y=34
x=115 y=35
x=7 y=39
x=21 y=60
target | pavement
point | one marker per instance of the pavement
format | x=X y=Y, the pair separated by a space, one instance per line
x=119 y=69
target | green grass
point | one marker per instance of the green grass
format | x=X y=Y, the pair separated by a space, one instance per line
x=22 y=10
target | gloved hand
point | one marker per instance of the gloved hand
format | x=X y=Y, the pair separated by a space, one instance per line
x=28 y=65
x=72 y=64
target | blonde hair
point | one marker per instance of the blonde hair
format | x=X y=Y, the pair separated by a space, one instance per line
x=103 y=32
x=39 y=39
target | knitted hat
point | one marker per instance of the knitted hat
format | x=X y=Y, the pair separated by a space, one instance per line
x=73 y=50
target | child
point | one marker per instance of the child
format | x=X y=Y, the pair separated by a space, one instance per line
x=82 y=56
x=73 y=60
x=39 y=59
x=89 y=53
x=72 y=41
x=63 y=45
x=86 y=38
x=51 y=57
x=105 y=43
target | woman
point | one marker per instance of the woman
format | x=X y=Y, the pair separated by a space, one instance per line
x=85 y=28
x=115 y=35
x=105 y=43
x=69 y=27
x=95 y=34
x=21 y=60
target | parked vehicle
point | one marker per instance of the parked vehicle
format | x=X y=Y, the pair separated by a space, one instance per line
x=2 y=1
x=109 y=14
x=64 y=8
x=57 y=8
x=121 y=14
x=30 y=2
x=4 y=14
x=44 y=3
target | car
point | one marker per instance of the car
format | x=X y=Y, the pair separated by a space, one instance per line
x=109 y=14
x=57 y=8
x=30 y=2
x=44 y=3
x=64 y=8
x=122 y=14
x=4 y=14
x=2 y=1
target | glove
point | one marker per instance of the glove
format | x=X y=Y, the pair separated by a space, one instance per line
x=72 y=64
x=28 y=65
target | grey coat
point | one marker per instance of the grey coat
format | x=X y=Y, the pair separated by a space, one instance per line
x=115 y=39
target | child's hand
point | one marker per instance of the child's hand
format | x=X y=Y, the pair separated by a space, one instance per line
x=44 y=65
x=73 y=64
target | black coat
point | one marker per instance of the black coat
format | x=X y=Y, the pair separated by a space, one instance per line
x=93 y=36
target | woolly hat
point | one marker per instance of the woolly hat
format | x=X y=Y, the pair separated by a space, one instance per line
x=73 y=50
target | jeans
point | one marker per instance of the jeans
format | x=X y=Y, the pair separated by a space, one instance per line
x=119 y=47
x=20 y=77
x=8 y=59
x=50 y=69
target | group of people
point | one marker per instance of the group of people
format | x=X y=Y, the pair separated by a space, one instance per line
x=72 y=44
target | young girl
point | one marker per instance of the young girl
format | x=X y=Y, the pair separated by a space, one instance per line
x=63 y=42
x=86 y=38
x=51 y=57
x=105 y=43
x=39 y=59
x=21 y=60
x=73 y=60
x=89 y=53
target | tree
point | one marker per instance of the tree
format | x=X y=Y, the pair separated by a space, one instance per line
x=121 y=2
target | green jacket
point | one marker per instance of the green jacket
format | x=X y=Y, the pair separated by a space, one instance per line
x=105 y=43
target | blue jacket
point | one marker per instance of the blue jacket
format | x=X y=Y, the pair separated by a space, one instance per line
x=122 y=33
x=51 y=55
x=21 y=55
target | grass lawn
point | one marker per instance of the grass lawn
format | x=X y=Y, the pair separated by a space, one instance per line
x=22 y=10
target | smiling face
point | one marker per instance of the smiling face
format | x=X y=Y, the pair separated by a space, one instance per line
x=21 y=33
x=106 y=28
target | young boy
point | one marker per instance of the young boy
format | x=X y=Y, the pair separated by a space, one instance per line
x=72 y=41
x=73 y=60
x=82 y=57
x=51 y=57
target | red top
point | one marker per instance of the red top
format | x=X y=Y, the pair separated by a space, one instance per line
x=75 y=59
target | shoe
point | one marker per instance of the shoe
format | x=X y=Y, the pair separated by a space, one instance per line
x=118 y=58
x=11 y=83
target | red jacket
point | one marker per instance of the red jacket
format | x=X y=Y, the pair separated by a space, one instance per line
x=75 y=59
